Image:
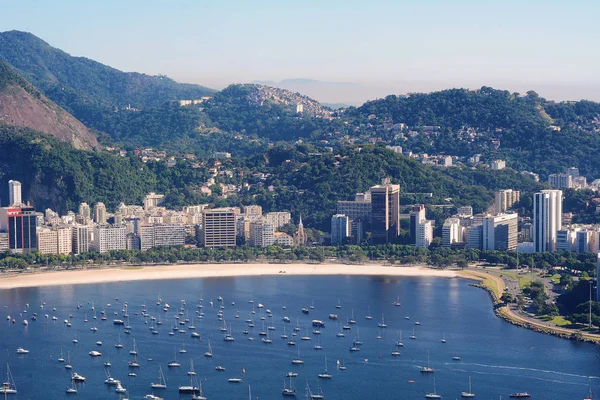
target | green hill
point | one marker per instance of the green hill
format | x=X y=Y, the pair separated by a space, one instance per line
x=81 y=85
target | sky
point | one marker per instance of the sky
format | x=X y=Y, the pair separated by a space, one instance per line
x=380 y=47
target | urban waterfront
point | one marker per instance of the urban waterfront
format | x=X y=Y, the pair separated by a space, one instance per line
x=499 y=358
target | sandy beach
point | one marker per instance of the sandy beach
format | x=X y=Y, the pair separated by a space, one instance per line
x=115 y=274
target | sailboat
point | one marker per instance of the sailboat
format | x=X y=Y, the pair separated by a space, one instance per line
x=68 y=364
x=61 y=358
x=199 y=395
x=413 y=336
x=191 y=388
x=396 y=353
x=162 y=382
x=298 y=360
x=427 y=369
x=288 y=391
x=174 y=363
x=397 y=302
x=382 y=324
x=191 y=371
x=325 y=375
x=314 y=396
x=72 y=388
x=433 y=395
x=469 y=394
x=443 y=338
x=352 y=321
x=399 y=343
x=368 y=316
x=9 y=386
x=134 y=351
x=340 y=365
x=587 y=398
x=209 y=353
x=119 y=345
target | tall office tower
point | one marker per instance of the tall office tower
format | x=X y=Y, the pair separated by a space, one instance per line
x=500 y=232
x=14 y=193
x=504 y=199
x=80 y=239
x=21 y=225
x=417 y=214
x=340 y=229
x=547 y=219
x=84 y=211
x=99 y=213
x=385 y=212
x=219 y=227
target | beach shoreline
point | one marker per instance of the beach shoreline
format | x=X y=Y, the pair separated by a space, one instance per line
x=190 y=271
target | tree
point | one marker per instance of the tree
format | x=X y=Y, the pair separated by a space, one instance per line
x=507 y=297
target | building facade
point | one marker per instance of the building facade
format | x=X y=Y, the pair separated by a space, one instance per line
x=547 y=219
x=340 y=229
x=21 y=225
x=219 y=227
x=385 y=212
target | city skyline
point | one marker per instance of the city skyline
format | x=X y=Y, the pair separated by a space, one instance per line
x=358 y=53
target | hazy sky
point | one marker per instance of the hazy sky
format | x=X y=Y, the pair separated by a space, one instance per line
x=549 y=46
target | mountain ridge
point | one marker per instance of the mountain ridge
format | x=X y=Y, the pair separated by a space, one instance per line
x=22 y=105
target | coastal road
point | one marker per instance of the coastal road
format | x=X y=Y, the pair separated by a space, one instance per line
x=524 y=319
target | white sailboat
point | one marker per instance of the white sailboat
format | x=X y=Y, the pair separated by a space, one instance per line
x=382 y=324
x=469 y=394
x=9 y=386
x=174 y=363
x=134 y=351
x=61 y=358
x=368 y=316
x=72 y=389
x=200 y=394
x=162 y=382
x=209 y=353
x=191 y=371
x=397 y=302
x=427 y=369
x=288 y=391
x=298 y=360
x=325 y=375
x=433 y=395
x=68 y=364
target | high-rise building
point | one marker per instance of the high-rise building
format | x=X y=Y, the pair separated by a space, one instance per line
x=253 y=210
x=47 y=241
x=565 y=240
x=161 y=235
x=358 y=209
x=475 y=236
x=560 y=181
x=14 y=193
x=498 y=165
x=504 y=199
x=219 y=227
x=80 y=239
x=452 y=232
x=153 y=200
x=99 y=213
x=278 y=219
x=21 y=225
x=547 y=219
x=340 y=229
x=108 y=237
x=573 y=171
x=84 y=211
x=4 y=242
x=500 y=232
x=417 y=214
x=424 y=233
x=262 y=233
x=385 y=212
x=582 y=241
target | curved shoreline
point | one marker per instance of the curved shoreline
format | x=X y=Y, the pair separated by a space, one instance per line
x=504 y=312
x=186 y=271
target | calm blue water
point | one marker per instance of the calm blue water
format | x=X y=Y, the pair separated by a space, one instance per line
x=500 y=358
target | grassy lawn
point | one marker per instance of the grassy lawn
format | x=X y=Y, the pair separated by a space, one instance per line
x=554 y=278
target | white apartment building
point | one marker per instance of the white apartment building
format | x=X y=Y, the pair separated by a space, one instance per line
x=504 y=199
x=161 y=235
x=108 y=237
x=340 y=229
x=278 y=219
x=547 y=219
x=452 y=232
x=424 y=233
x=283 y=239
x=498 y=165
x=500 y=232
